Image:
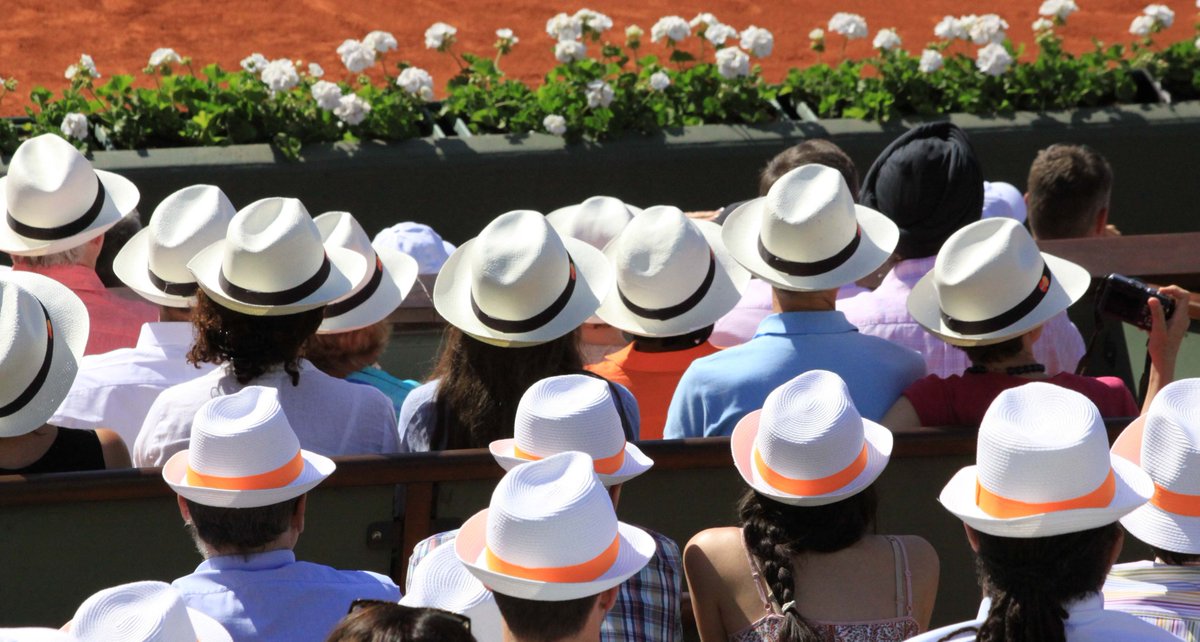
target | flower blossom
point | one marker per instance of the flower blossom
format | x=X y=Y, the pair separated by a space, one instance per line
x=758 y=41
x=993 y=59
x=673 y=28
x=569 y=51
x=633 y=33
x=1161 y=14
x=563 y=27
x=988 y=29
x=416 y=82
x=440 y=36
x=164 y=55
x=931 y=61
x=703 y=21
x=280 y=75
x=816 y=34
x=718 y=33
x=505 y=40
x=950 y=28
x=886 y=40
x=732 y=63
x=1042 y=24
x=315 y=70
x=356 y=56
x=327 y=94
x=254 y=63
x=555 y=124
x=659 y=81
x=1058 y=9
x=593 y=21
x=599 y=94
x=86 y=66
x=352 y=109
x=75 y=125
x=380 y=41
x=850 y=25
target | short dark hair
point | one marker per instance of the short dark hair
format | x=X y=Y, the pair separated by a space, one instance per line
x=537 y=621
x=817 y=150
x=386 y=622
x=250 y=344
x=1173 y=558
x=995 y=352
x=115 y=238
x=1068 y=185
x=246 y=530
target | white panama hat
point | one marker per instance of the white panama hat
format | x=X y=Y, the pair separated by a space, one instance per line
x=808 y=446
x=272 y=263
x=143 y=612
x=35 y=634
x=551 y=534
x=244 y=454
x=441 y=581
x=572 y=412
x=154 y=262
x=596 y=221
x=388 y=280
x=990 y=283
x=1043 y=468
x=673 y=275
x=808 y=234
x=54 y=200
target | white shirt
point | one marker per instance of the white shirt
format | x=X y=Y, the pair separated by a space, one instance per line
x=115 y=389
x=1087 y=621
x=331 y=416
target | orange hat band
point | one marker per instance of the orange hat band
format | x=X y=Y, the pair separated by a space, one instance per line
x=606 y=466
x=1006 y=508
x=1176 y=503
x=585 y=572
x=277 y=478
x=811 y=487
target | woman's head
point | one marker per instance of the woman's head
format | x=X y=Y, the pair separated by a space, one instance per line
x=376 y=621
x=342 y=353
x=250 y=345
x=1002 y=351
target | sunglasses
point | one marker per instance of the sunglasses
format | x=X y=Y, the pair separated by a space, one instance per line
x=411 y=611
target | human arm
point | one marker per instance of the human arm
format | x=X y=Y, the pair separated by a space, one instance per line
x=901 y=415
x=116 y=454
x=704 y=585
x=925 y=567
x=1166 y=336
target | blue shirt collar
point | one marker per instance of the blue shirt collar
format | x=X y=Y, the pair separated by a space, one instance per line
x=252 y=562
x=785 y=323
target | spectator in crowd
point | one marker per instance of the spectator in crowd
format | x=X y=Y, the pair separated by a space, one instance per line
x=43 y=329
x=417 y=240
x=242 y=485
x=374 y=621
x=804 y=562
x=143 y=612
x=58 y=210
x=115 y=239
x=1003 y=199
x=930 y=183
x=674 y=279
x=1041 y=509
x=807 y=238
x=440 y=581
x=513 y=297
x=262 y=295
x=356 y=330
x=551 y=549
x=1068 y=195
x=116 y=389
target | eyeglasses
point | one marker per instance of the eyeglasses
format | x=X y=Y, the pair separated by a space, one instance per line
x=411 y=611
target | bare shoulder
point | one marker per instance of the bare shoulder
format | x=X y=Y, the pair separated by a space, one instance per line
x=713 y=550
x=116 y=453
x=921 y=554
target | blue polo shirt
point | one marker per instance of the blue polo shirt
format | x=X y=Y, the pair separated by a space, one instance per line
x=720 y=389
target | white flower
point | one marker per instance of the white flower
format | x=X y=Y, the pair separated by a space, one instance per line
x=315 y=70
x=569 y=51
x=1161 y=13
x=380 y=41
x=164 y=55
x=75 y=125
x=1059 y=9
x=356 y=55
x=816 y=34
x=931 y=61
x=280 y=75
x=594 y=20
x=85 y=66
x=673 y=28
x=1042 y=24
x=1142 y=26
x=507 y=36
x=254 y=63
x=555 y=124
x=659 y=80
x=439 y=36
x=758 y=41
x=703 y=21
x=950 y=28
x=988 y=29
x=327 y=94
x=1197 y=43
x=886 y=40
x=417 y=82
x=732 y=63
x=599 y=94
x=634 y=32
x=993 y=59
x=563 y=27
x=718 y=33
x=352 y=109
x=850 y=25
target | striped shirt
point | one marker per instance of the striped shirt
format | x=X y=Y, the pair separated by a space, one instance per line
x=1164 y=595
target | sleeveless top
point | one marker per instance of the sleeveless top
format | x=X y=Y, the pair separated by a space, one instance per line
x=901 y=627
x=72 y=451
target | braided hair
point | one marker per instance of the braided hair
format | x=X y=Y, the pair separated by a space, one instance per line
x=777 y=533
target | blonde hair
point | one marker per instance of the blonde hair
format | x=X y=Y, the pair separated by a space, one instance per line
x=342 y=353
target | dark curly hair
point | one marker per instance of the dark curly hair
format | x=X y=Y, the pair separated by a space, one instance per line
x=251 y=345
x=387 y=622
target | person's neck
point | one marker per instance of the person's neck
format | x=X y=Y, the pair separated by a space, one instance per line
x=788 y=301
x=672 y=344
x=1022 y=360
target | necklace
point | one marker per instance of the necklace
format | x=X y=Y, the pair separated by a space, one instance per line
x=1030 y=368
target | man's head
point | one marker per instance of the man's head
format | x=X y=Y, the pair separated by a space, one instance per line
x=1068 y=192
x=243 y=531
x=538 y=621
x=816 y=151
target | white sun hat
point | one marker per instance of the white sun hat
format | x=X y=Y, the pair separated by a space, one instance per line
x=272 y=263
x=154 y=262
x=807 y=233
x=1003 y=199
x=808 y=446
x=417 y=240
x=143 y=612
x=43 y=332
x=35 y=634
x=551 y=534
x=441 y=581
x=54 y=200
x=519 y=283
x=596 y=221
x=990 y=283
x=389 y=278
x=673 y=275
x=1043 y=468
x=244 y=454
x=572 y=412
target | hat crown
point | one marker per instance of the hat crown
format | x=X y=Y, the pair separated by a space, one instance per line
x=809 y=428
x=569 y=413
x=419 y=241
x=661 y=258
x=184 y=223
x=986 y=268
x=519 y=266
x=50 y=183
x=23 y=340
x=1171 y=437
x=242 y=435
x=341 y=229
x=442 y=581
x=137 y=612
x=596 y=221
x=272 y=245
x=808 y=215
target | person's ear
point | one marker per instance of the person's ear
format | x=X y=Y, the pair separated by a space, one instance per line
x=298 y=516
x=1101 y=222
x=607 y=599
x=183 y=509
x=972 y=537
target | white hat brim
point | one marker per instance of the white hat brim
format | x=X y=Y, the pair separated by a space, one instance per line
x=120 y=198
x=1149 y=523
x=347 y=267
x=316 y=469
x=399 y=275
x=1069 y=282
x=879 y=450
x=452 y=296
x=741 y=233
x=635 y=550
x=207 y=628
x=635 y=463
x=132 y=266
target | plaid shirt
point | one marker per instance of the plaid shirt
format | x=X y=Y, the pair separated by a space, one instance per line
x=647 y=608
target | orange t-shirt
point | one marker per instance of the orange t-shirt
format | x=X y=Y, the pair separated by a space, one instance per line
x=652 y=378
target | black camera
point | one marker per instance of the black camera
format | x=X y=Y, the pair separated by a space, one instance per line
x=1126 y=299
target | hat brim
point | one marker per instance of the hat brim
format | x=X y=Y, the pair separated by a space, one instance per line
x=1133 y=488
x=347 y=267
x=316 y=469
x=1069 y=283
x=131 y=265
x=1149 y=523
x=452 y=296
x=743 y=226
x=70 y=319
x=207 y=628
x=879 y=450
x=399 y=275
x=729 y=280
x=120 y=198
x=635 y=550
x=635 y=463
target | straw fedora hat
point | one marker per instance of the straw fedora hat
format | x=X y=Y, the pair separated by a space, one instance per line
x=243 y=454
x=43 y=331
x=519 y=283
x=272 y=263
x=154 y=262
x=808 y=446
x=143 y=612
x=54 y=200
x=990 y=283
x=807 y=234
x=673 y=275
x=572 y=412
x=1043 y=468
x=441 y=581
x=596 y=221
x=388 y=280
x=551 y=534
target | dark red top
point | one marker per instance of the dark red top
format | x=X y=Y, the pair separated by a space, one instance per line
x=961 y=400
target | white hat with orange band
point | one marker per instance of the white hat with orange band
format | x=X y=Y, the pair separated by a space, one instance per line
x=572 y=412
x=551 y=534
x=244 y=454
x=808 y=446
x=1043 y=468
